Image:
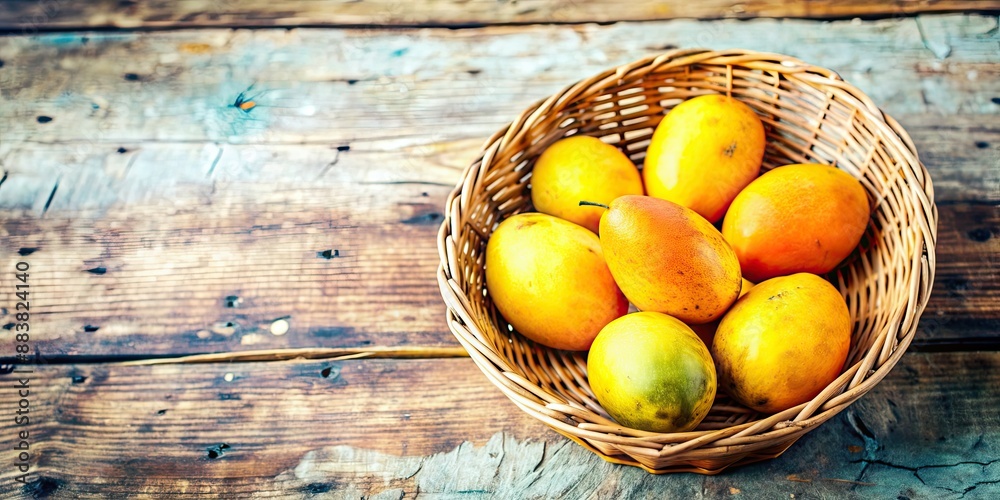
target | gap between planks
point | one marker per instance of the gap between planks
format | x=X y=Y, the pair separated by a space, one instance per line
x=307 y=354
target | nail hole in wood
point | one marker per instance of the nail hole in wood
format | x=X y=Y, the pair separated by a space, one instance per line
x=44 y=487
x=981 y=234
x=316 y=488
x=217 y=450
x=330 y=372
x=328 y=254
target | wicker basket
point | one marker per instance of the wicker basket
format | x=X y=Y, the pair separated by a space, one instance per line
x=811 y=115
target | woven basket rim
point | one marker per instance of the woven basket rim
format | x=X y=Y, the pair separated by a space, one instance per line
x=744 y=440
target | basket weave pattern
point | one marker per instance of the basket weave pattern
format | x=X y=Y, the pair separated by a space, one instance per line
x=810 y=115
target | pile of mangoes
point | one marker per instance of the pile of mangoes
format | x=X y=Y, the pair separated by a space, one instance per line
x=607 y=234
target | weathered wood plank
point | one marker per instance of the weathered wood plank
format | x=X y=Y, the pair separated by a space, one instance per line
x=346 y=258
x=25 y=15
x=436 y=427
x=212 y=272
x=426 y=89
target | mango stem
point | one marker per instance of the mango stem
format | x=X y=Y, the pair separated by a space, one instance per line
x=593 y=204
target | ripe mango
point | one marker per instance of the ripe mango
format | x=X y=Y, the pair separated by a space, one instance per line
x=797 y=218
x=548 y=279
x=783 y=342
x=668 y=259
x=703 y=153
x=581 y=168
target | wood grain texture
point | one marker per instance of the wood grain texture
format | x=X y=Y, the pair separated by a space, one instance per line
x=392 y=428
x=967 y=284
x=439 y=93
x=162 y=219
x=163 y=215
x=27 y=15
x=212 y=269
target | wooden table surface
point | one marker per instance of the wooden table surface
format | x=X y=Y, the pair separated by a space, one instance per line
x=183 y=185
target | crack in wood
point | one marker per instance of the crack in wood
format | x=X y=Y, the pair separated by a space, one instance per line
x=48 y=202
x=873 y=445
x=916 y=472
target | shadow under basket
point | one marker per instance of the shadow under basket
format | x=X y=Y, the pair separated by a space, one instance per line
x=810 y=115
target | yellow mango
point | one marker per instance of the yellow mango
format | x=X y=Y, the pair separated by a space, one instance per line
x=783 y=342
x=581 y=168
x=703 y=153
x=548 y=279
